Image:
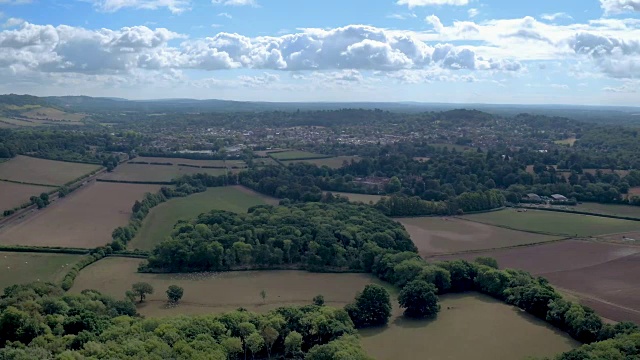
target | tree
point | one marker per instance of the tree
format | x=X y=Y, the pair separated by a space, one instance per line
x=487 y=261
x=255 y=343
x=318 y=300
x=293 y=344
x=372 y=307
x=270 y=336
x=419 y=299
x=174 y=293
x=142 y=289
x=263 y=295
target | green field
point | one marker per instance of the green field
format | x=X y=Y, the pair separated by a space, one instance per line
x=364 y=198
x=333 y=162
x=20 y=268
x=555 y=222
x=295 y=154
x=161 y=219
x=608 y=209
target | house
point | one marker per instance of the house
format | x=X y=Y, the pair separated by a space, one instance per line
x=558 y=197
x=533 y=197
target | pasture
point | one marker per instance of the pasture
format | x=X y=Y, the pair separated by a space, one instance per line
x=433 y=235
x=21 y=268
x=569 y=141
x=13 y=195
x=333 y=162
x=353 y=197
x=161 y=219
x=555 y=223
x=608 y=209
x=490 y=329
x=45 y=172
x=84 y=219
x=47 y=113
x=220 y=292
x=294 y=155
x=155 y=173
x=176 y=161
x=601 y=275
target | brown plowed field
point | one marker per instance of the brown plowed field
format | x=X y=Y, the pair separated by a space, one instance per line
x=603 y=276
x=84 y=219
x=436 y=235
x=12 y=194
x=41 y=171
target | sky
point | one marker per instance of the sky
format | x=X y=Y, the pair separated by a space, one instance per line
x=583 y=52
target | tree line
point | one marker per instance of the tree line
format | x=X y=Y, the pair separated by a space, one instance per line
x=40 y=321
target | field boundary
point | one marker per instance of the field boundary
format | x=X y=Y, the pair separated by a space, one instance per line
x=578 y=212
x=67 y=161
x=29 y=183
x=512 y=228
x=137 y=182
x=502 y=248
x=44 y=249
x=452 y=216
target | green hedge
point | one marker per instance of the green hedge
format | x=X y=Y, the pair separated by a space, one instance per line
x=70 y=277
x=137 y=182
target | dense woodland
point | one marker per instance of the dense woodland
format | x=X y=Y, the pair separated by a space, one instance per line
x=314 y=236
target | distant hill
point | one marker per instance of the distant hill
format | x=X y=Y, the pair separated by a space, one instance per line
x=87 y=104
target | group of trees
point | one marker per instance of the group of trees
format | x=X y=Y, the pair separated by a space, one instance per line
x=142 y=289
x=41 y=201
x=39 y=321
x=314 y=236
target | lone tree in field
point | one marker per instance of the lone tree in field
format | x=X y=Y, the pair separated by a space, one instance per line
x=419 y=299
x=318 y=300
x=263 y=295
x=142 y=289
x=174 y=293
x=371 y=308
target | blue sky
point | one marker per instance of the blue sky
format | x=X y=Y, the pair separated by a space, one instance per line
x=485 y=51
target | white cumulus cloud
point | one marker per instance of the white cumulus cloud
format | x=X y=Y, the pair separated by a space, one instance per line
x=619 y=6
x=253 y=3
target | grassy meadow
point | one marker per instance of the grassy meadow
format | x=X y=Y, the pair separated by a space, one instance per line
x=20 y=268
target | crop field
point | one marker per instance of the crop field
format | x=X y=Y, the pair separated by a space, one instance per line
x=334 y=162
x=20 y=268
x=490 y=329
x=41 y=171
x=155 y=173
x=12 y=194
x=84 y=219
x=433 y=235
x=294 y=154
x=603 y=276
x=161 y=219
x=550 y=222
x=219 y=292
x=176 y=161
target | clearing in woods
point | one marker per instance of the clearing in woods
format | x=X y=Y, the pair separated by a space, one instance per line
x=295 y=154
x=569 y=141
x=433 y=235
x=14 y=195
x=220 y=292
x=40 y=171
x=22 y=268
x=551 y=222
x=490 y=329
x=155 y=173
x=334 y=162
x=176 y=161
x=161 y=219
x=84 y=219
x=353 y=197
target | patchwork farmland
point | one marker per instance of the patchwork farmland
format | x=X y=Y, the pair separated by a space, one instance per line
x=84 y=219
